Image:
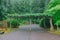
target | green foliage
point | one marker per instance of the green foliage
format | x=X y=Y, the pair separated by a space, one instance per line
x=14 y=23
x=40 y=21
x=53 y=3
x=2 y=11
x=27 y=6
x=24 y=8
x=1 y=24
x=53 y=6
x=57 y=22
x=53 y=9
x=38 y=6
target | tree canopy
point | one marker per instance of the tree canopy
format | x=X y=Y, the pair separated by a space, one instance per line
x=2 y=10
x=53 y=9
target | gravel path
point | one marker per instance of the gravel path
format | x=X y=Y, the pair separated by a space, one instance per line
x=23 y=33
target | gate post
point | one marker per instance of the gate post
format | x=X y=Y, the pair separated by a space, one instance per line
x=30 y=24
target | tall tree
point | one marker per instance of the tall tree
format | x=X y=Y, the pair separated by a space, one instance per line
x=53 y=9
x=38 y=6
x=10 y=7
x=2 y=10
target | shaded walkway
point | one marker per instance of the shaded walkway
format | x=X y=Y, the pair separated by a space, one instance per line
x=33 y=27
x=30 y=35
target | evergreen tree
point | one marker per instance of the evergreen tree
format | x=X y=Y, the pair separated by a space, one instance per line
x=2 y=10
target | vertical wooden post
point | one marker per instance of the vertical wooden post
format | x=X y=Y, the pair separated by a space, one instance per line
x=30 y=24
x=5 y=24
x=2 y=25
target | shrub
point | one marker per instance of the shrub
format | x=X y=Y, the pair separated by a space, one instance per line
x=1 y=24
x=14 y=23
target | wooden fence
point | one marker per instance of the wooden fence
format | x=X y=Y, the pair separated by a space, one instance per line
x=3 y=25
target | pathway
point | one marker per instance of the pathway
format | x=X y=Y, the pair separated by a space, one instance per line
x=23 y=33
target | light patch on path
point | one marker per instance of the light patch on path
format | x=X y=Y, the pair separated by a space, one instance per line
x=34 y=27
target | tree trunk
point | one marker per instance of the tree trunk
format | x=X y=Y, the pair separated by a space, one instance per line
x=17 y=22
x=51 y=25
x=10 y=24
x=57 y=28
x=44 y=23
